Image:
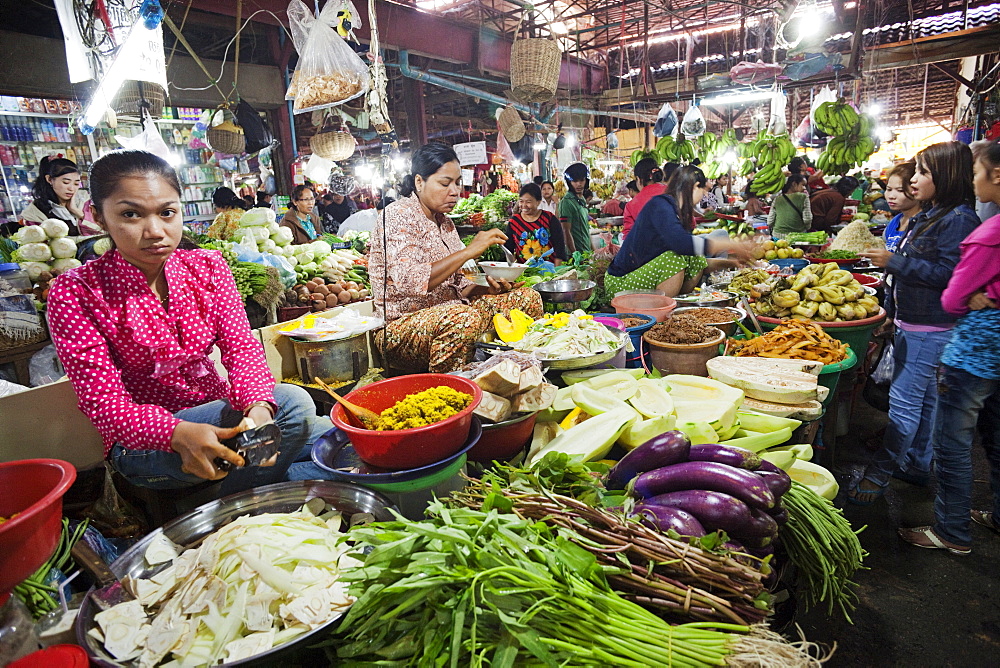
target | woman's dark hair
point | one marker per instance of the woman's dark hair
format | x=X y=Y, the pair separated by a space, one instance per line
x=905 y=172
x=797 y=164
x=225 y=198
x=632 y=185
x=426 y=161
x=537 y=180
x=299 y=190
x=949 y=164
x=847 y=185
x=384 y=202
x=107 y=171
x=681 y=187
x=531 y=189
x=794 y=179
x=668 y=170
x=54 y=167
x=647 y=171
x=577 y=172
x=987 y=150
x=548 y=183
x=263 y=198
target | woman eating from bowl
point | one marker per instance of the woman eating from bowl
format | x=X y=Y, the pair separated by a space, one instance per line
x=433 y=314
x=134 y=330
x=301 y=218
x=917 y=274
x=533 y=232
x=661 y=253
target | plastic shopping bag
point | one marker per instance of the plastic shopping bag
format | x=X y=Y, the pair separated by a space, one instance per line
x=825 y=95
x=329 y=71
x=149 y=140
x=666 y=121
x=776 y=124
x=693 y=124
x=882 y=375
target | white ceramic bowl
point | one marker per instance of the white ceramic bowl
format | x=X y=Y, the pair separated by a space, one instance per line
x=501 y=270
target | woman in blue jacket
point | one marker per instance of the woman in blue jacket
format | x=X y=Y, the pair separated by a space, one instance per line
x=660 y=253
x=920 y=270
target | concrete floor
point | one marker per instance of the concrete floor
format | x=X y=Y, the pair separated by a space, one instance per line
x=918 y=607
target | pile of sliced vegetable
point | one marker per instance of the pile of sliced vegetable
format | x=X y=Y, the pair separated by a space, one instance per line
x=256 y=583
x=566 y=336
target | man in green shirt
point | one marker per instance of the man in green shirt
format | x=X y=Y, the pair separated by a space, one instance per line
x=573 y=213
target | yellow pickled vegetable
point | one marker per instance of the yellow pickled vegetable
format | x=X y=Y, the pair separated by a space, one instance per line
x=423 y=408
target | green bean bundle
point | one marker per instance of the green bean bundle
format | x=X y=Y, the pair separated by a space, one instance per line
x=824 y=547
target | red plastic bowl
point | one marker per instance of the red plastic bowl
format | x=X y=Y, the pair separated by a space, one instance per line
x=868 y=280
x=32 y=488
x=503 y=440
x=408 y=448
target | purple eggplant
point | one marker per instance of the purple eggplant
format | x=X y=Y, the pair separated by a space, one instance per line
x=760 y=552
x=730 y=455
x=714 y=510
x=744 y=485
x=668 y=448
x=780 y=514
x=760 y=525
x=768 y=466
x=664 y=518
x=754 y=544
x=778 y=483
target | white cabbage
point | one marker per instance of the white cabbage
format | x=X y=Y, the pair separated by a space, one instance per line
x=55 y=228
x=63 y=248
x=35 y=252
x=66 y=263
x=30 y=234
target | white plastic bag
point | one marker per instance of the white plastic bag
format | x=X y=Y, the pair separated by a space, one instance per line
x=666 y=121
x=776 y=125
x=329 y=71
x=344 y=325
x=693 y=124
x=825 y=95
x=149 y=140
x=882 y=375
x=44 y=367
x=317 y=169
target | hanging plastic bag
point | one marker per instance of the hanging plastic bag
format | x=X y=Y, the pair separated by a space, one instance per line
x=825 y=95
x=149 y=140
x=258 y=135
x=776 y=124
x=666 y=121
x=329 y=71
x=693 y=124
x=317 y=169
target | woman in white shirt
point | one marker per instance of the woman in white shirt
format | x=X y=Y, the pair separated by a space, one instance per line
x=549 y=201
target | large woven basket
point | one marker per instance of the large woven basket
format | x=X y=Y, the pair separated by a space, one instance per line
x=227 y=136
x=333 y=144
x=511 y=124
x=534 y=69
x=134 y=95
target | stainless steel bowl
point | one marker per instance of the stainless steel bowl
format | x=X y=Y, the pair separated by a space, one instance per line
x=282 y=497
x=563 y=291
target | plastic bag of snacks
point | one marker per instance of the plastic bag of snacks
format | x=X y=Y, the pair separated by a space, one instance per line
x=329 y=71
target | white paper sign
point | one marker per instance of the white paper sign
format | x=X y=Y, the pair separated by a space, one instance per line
x=471 y=153
x=468 y=177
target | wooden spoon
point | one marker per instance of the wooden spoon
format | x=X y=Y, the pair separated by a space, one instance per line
x=367 y=418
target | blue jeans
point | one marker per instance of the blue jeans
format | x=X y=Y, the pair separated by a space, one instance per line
x=964 y=401
x=912 y=406
x=296 y=417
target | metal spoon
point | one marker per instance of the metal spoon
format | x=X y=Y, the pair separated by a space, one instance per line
x=745 y=303
x=368 y=419
x=507 y=254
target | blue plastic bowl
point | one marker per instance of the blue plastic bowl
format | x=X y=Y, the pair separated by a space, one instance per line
x=797 y=264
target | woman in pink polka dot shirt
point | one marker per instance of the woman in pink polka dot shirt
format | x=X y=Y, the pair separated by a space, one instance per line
x=134 y=329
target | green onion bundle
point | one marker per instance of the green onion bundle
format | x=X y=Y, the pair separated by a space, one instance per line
x=824 y=547
x=37 y=595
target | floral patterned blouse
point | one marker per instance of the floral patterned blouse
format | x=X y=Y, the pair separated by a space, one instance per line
x=225 y=224
x=399 y=261
x=529 y=239
x=133 y=362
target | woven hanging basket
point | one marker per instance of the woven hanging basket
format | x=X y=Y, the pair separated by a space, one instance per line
x=333 y=144
x=227 y=136
x=511 y=124
x=134 y=95
x=534 y=69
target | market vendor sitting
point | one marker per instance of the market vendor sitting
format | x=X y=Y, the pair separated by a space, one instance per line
x=301 y=217
x=660 y=253
x=134 y=329
x=433 y=314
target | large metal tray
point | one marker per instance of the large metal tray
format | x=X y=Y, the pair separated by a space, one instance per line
x=282 y=497
x=488 y=341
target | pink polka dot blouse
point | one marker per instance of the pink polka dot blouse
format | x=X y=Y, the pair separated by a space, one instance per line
x=133 y=363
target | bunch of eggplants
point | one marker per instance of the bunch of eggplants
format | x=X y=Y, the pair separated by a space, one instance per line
x=699 y=489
